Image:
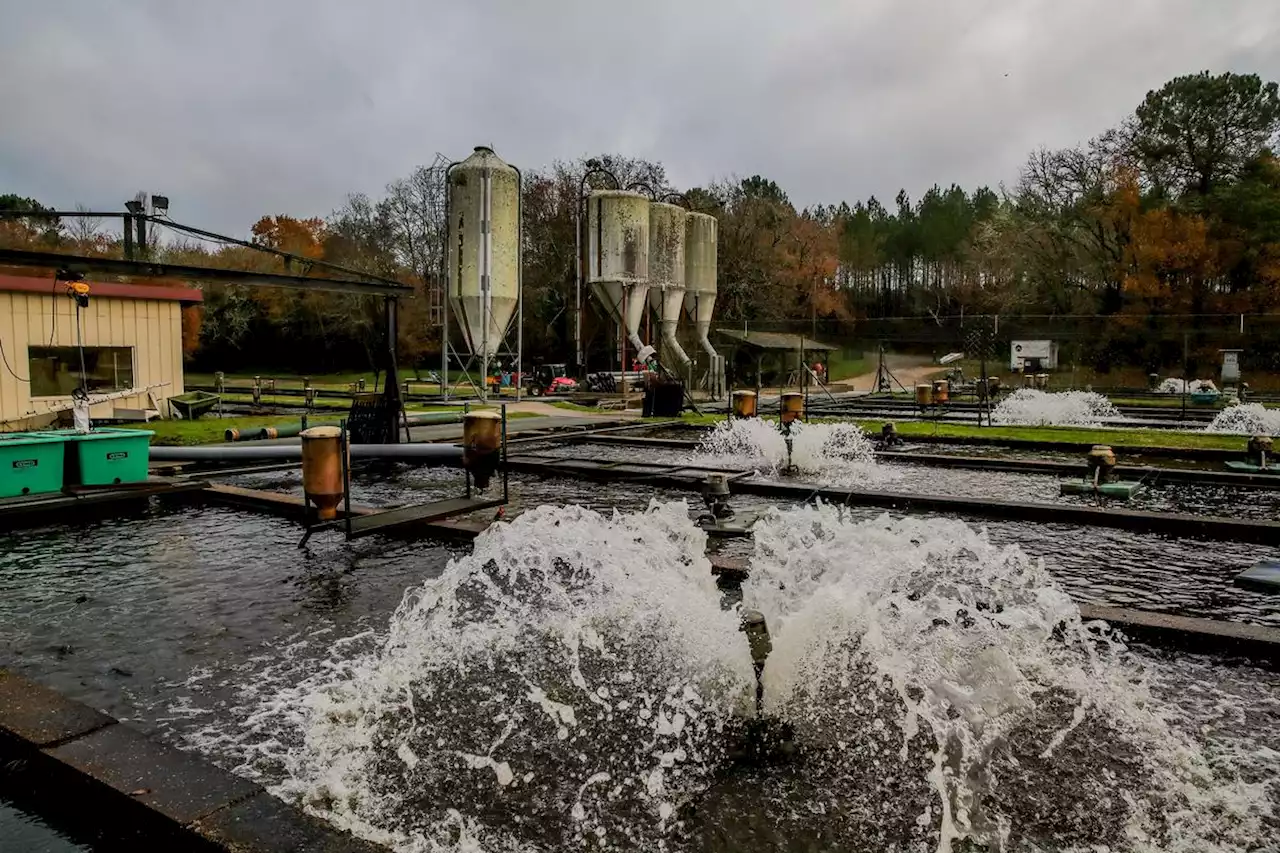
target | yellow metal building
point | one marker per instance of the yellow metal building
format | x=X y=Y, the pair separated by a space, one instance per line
x=132 y=344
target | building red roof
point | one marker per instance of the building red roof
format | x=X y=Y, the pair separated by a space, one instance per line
x=161 y=291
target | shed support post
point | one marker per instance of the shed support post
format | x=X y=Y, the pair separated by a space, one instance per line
x=393 y=401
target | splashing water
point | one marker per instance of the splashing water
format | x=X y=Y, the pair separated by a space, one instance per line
x=574 y=684
x=1177 y=386
x=926 y=668
x=567 y=684
x=840 y=452
x=1246 y=419
x=1032 y=407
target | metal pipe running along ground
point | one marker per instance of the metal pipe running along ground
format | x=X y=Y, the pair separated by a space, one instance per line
x=445 y=455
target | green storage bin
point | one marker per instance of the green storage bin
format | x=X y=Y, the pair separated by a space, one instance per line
x=30 y=464
x=104 y=456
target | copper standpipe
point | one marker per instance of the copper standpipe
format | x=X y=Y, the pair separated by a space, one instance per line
x=792 y=407
x=744 y=404
x=322 y=469
x=481 y=443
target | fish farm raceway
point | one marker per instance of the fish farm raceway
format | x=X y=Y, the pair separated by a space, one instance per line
x=660 y=598
x=794 y=628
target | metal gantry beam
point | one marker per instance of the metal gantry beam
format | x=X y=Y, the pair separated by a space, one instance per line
x=155 y=269
x=289 y=257
x=139 y=219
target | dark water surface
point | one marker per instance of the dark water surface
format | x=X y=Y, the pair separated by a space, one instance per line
x=1257 y=504
x=171 y=620
x=23 y=832
x=118 y=613
x=1109 y=566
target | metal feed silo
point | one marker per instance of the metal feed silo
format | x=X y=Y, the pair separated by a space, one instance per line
x=700 y=256
x=618 y=256
x=484 y=249
x=667 y=277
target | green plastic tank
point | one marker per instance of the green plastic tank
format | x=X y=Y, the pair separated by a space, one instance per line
x=30 y=464
x=105 y=456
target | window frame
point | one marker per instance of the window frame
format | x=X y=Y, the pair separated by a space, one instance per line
x=133 y=365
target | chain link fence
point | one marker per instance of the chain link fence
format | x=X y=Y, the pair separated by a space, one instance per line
x=1105 y=352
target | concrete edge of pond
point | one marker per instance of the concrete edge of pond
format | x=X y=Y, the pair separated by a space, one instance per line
x=994 y=463
x=293 y=507
x=1198 y=453
x=1204 y=454
x=108 y=782
x=29 y=511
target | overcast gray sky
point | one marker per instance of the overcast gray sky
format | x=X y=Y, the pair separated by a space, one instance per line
x=237 y=109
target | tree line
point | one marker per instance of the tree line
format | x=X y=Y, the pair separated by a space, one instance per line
x=1176 y=211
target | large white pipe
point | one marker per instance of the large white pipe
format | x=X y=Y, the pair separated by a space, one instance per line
x=637 y=300
x=671 y=344
x=704 y=326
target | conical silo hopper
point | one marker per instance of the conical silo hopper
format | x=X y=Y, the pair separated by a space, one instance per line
x=666 y=278
x=618 y=256
x=484 y=249
x=700 y=257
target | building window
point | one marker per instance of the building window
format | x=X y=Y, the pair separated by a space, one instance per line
x=55 y=371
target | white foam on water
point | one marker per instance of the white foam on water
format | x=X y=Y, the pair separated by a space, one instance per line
x=1177 y=386
x=573 y=682
x=925 y=652
x=1032 y=407
x=565 y=684
x=840 y=452
x=1246 y=419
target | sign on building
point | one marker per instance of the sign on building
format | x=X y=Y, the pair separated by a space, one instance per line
x=1033 y=355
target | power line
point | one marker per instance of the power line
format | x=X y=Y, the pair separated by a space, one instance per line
x=215 y=240
x=289 y=256
x=7 y=367
x=53 y=332
x=210 y=235
x=53 y=319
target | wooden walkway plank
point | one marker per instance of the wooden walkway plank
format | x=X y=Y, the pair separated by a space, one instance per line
x=378 y=522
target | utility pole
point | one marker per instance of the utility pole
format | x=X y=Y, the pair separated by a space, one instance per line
x=137 y=215
x=128 y=237
x=140 y=225
x=140 y=207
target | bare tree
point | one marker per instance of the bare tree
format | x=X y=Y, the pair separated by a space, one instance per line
x=414 y=208
x=84 y=229
x=1065 y=198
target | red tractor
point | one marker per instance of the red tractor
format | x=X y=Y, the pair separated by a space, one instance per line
x=550 y=379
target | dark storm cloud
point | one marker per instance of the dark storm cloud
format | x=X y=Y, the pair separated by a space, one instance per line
x=239 y=109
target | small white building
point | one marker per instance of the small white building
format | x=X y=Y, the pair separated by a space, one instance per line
x=1033 y=356
x=1230 y=366
x=132 y=343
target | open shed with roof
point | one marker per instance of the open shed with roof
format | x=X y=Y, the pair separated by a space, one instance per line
x=761 y=359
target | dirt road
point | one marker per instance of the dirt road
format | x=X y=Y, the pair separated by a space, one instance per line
x=909 y=375
x=538 y=407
